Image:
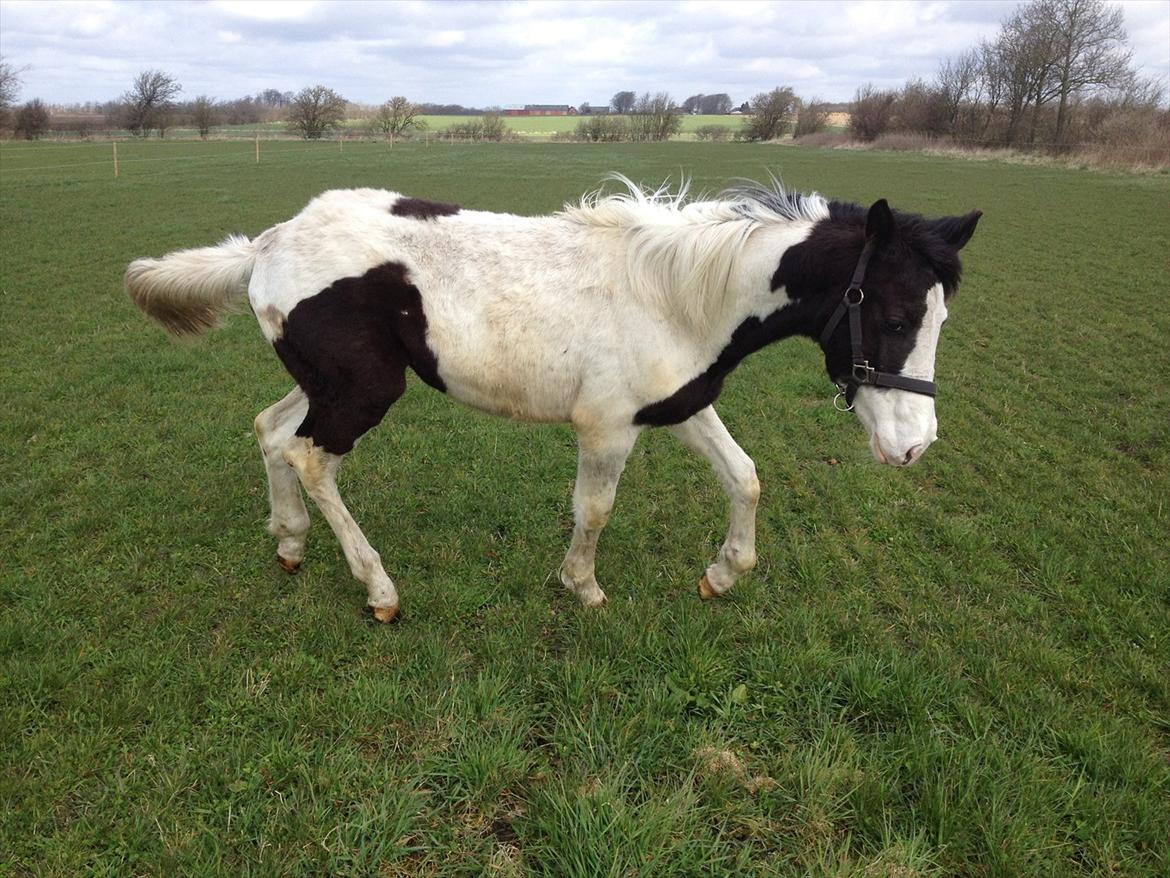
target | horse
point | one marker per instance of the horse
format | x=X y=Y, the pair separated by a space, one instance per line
x=621 y=312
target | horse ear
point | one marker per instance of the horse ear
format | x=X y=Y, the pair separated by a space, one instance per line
x=879 y=224
x=957 y=230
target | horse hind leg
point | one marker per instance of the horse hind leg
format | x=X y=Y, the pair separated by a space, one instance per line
x=343 y=347
x=289 y=519
x=339 y=412
x=317 y=470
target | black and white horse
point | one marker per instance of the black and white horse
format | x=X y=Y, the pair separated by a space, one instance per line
x=619 y=313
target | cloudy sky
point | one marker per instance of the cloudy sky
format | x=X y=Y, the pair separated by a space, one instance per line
x=481 y=54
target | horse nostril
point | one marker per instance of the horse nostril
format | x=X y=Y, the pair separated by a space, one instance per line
x=912 y=454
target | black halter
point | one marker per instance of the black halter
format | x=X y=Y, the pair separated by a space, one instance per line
x=862 y=372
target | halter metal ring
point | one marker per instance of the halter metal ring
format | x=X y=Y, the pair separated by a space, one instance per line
x=837 y=404
x=860 y=296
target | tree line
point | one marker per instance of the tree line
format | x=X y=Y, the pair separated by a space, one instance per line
x=1055 y=75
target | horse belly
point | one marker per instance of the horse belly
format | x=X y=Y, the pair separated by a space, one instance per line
x=515 y=386
x=518 y=372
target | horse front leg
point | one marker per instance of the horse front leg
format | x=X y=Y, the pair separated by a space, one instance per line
x=601 y=457
x=705 y=434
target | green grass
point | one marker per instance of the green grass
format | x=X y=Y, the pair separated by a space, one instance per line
x=960 y=669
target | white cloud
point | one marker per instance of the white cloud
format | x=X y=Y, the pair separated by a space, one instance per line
x=507 y=53
x=268 y=10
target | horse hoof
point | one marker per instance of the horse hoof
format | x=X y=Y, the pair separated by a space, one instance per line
x=386 y=615
x=705 y=590
x=593 y=598
x=289 y=566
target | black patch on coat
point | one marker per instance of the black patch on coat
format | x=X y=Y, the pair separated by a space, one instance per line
x=348 y=348
x=701 y=391
x=815 y=274
x=421 y=209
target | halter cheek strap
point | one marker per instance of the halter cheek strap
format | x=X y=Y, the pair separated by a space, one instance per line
x=861 y=371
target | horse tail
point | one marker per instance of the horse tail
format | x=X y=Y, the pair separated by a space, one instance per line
x=189 y=290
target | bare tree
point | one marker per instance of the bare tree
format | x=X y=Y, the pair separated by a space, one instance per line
x=396 y=117
x=771 y=114
x=654 y=117
x=623 y=101
x=1147 y=93
x=9 y=87
x=1025 y=50
x=992 y=85
x=1045 y=51
x=922 y=108
x=693 y=104
x=1090 y=51
x=149 y=101
x=957 y=83
x=316 y=110
x=32 y=120
x=203 y=115
x=811 y=118
x=871 y=112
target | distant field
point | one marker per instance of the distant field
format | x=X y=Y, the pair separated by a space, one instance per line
x=962 y=669
x=526 y=126
x=546 y=126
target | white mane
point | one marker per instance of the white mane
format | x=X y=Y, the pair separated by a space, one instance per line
x=680 y=253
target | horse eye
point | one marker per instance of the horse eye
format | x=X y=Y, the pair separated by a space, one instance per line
x=895 y=326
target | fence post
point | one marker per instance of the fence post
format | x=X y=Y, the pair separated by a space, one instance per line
x=115 y=160
x=257 y=133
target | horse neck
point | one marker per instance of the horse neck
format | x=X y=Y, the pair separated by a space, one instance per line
x=755 y=307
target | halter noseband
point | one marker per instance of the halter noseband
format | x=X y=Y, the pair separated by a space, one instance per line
x=861 y=372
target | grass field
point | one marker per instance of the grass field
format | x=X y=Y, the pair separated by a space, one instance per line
x=960 y=669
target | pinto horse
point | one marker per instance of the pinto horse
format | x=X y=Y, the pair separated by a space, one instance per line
x=621 y=312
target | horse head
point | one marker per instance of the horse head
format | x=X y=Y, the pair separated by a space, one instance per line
x=880 y=331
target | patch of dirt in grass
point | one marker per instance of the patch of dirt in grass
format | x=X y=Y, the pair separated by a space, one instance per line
x=501 y=829
x=410 y=866
x=726 y=764
x=1139 y=451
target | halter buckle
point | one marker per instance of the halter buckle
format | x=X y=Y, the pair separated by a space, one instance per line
x=862 y=372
